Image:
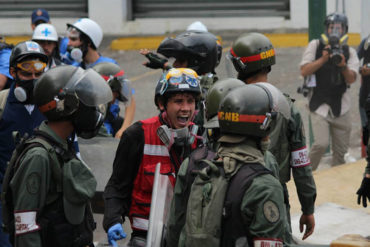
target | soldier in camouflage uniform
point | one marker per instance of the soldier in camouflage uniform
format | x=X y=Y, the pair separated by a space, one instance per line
x=186 y=176
x=252 y=55
x=253 y=215
x=51 y=188
x=364 y=191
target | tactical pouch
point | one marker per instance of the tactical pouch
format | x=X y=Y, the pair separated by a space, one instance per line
x=57 y=231
x=203 y=217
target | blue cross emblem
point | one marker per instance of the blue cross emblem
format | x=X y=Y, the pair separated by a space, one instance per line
x=46 y=32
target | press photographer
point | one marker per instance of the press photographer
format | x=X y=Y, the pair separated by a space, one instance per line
x=332 y=66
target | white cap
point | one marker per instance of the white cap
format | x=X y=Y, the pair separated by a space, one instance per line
x=45 y=32
x=90 y=28
x=197 y=26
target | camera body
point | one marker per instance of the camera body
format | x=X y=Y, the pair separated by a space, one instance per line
x=335 y=50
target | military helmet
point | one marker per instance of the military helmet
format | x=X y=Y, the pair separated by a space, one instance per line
x=60 y=91
x=114 y=76
x=177 y=80
x=199 y=49
x=247 y=110
x=337 y=18
x=215 y=94
x=251 y=52
x=26 y=49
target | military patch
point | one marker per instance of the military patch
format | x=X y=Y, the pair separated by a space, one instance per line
x=33 y=183
x=271 y=211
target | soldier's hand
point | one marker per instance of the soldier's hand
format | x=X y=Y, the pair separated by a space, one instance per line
x=309 y=221
x=155 y=62
x=364 y=192
x=115 y=233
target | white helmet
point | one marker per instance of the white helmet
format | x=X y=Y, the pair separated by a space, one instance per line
x=90 y=28
x=45 y=32
x=197 y=26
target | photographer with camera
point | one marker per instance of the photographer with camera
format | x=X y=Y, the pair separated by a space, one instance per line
x=331 y=65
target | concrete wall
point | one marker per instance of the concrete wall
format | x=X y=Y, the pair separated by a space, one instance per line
x=111 y=15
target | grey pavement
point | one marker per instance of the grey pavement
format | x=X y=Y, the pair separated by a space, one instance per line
x=285 y=75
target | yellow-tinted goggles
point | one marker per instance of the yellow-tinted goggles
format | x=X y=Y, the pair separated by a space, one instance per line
x=32 y=66
x=182 y=75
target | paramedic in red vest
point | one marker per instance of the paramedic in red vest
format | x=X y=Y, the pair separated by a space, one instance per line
x=129 y=189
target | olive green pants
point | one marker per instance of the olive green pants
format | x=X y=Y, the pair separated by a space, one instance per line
x=339 y=129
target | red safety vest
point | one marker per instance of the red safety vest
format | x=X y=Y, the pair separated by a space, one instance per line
x=154 y=152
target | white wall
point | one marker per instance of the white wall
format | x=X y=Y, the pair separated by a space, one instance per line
x=111 y=15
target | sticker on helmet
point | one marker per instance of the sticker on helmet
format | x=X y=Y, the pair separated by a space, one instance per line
x=32 y=46
x=183 y=86
x=271 y=211
x=46 y=32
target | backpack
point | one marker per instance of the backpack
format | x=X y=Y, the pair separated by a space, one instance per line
x=55 y=230
x=213 y=216
x=22 y=146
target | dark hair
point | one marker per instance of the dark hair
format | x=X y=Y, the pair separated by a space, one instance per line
x=244 y=76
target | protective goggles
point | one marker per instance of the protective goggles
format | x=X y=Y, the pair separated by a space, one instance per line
x=182 y=75
x=181 y=78
x=32 y=66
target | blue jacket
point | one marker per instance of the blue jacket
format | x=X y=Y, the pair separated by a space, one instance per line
x=101 y=59
x=15 y=118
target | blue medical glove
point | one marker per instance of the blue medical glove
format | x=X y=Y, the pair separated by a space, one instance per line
x=115 y=233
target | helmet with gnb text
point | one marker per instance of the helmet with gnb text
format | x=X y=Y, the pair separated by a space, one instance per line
x=251 y=52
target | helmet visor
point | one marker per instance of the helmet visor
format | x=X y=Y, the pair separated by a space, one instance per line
x=122 y=86
x=90 y=87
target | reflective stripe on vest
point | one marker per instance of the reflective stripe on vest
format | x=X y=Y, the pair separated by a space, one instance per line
x=156 y=150
x=140 y=223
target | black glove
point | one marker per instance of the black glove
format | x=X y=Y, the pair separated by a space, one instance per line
x=364 y=192
x=155 y=62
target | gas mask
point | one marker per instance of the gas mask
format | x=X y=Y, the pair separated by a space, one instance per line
x=88 y=120
x=76 y=53
x=179 y=137
x=23 y=91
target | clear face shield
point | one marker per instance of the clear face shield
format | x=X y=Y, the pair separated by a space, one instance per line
x=122 y=86
x=232 y=63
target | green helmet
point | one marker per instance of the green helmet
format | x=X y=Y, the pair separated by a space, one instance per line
x=247 y=111
x=114 y=75
x=72 y=93
x=251 y=52
x=177 y=80
x=215 y=94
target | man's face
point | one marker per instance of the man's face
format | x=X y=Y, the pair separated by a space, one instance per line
x=335 y=29
x=180 y=109
x=28 y=70
x=48 y=46
x=74 y=37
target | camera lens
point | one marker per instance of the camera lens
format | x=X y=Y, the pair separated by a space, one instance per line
x=336 y=58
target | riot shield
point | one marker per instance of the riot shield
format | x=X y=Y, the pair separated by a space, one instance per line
x=159 y=208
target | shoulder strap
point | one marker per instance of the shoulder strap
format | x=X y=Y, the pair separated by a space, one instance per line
x=233 y=227
x=195 y=162
x=3 y=97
